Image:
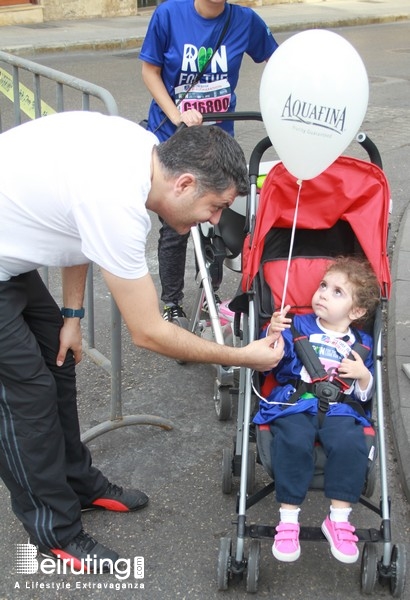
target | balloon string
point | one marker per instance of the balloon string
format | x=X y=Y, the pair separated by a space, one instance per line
x=292 y=239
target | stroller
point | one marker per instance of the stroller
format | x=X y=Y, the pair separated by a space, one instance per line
x=218 y=247
x=278 y=252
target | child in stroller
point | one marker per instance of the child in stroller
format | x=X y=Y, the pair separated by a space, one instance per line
x=348 y=293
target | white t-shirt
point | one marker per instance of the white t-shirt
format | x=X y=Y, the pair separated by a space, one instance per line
x=73 y=188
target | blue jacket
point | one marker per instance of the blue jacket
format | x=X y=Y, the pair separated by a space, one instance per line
x=331 y=351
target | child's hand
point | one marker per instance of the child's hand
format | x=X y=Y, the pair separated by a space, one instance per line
x=355 y=369
x=279 y=321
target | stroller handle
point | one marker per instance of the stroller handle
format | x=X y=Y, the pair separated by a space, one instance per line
x=366 y=143
x=370 y=148
x=260 y=148
x=256 y=157
x=233 y=116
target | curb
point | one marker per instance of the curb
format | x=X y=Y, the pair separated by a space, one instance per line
x=135 y=42
x=85 y=46
x=336 y=23
x=398 y=352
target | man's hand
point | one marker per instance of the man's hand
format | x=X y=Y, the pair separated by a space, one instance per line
x=73 y=279
x=261 y=360
x=70 y=338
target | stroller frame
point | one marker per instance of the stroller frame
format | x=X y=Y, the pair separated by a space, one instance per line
x=390 y=569
x=208 y=255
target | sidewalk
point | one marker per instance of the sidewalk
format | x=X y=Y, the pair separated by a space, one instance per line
x=128 y=33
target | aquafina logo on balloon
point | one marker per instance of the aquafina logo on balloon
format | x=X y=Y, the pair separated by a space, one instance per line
x=313 y=98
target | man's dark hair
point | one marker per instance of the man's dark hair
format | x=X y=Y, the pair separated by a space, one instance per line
x=210 y=154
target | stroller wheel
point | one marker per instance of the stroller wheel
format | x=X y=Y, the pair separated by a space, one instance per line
x=224 y=562
x=370 y=484
x=398 y=571
x=223 y=402
x=252 y=574
x=227 y=461
x=368 y=575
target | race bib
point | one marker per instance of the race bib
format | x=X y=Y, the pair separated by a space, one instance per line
x=331 y=351
x=212 y=97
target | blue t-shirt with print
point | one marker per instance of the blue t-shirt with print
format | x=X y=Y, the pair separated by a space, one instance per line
x=179 y=41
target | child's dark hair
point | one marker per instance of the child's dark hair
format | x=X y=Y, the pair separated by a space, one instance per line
x=366 y=289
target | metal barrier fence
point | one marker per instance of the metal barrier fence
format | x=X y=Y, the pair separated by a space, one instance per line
x=29 y=102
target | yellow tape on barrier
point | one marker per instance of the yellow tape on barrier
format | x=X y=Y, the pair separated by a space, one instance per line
x=26 y=96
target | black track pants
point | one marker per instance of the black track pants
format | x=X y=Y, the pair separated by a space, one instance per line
x=43 y=463
x=172 y=249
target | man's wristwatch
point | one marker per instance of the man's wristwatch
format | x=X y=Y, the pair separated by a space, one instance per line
x=72 y=312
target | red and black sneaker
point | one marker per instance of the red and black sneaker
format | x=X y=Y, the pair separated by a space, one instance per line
x=117 y=499
x=83 y=554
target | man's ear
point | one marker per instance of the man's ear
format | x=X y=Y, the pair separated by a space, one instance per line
x=184 y=182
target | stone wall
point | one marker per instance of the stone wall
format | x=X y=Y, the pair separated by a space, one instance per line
x=83 y=9
x=57 y=10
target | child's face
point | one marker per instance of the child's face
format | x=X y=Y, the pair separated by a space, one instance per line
x=333 y=302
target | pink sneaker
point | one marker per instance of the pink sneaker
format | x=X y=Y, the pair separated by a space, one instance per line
x=225 y=313
x=286 y=545
x=342 y=540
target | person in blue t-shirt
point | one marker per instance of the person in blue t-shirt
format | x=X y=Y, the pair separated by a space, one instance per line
x=348 y=293
x=181 y=36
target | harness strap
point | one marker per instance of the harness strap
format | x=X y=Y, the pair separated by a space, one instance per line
x=308 y=356
x=325 y=391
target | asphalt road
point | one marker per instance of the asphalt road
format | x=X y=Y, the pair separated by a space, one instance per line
x=179 y=533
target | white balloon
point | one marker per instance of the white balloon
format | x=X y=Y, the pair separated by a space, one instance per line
x=313 y=98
